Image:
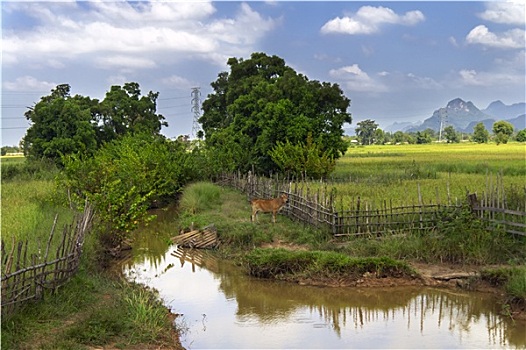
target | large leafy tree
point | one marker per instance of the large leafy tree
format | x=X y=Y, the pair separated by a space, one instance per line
x=503 y=130
x=262 y=101
x=124 y=111
x=451 y=135
x=365 y=131
x=480 y=134
x=61 y=124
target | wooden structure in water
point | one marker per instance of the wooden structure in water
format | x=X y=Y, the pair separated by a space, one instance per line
x=205 y=238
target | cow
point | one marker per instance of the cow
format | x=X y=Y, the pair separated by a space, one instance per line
x=268 y=206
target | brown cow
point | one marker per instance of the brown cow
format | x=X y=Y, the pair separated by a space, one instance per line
x=268 y=206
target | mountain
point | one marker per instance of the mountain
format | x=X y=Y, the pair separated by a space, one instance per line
x=458 y=113
x=401 y=126
x=500 y=111
x=463 y=116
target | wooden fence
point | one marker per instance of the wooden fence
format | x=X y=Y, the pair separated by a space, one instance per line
x=317 y=208
x=26 y=277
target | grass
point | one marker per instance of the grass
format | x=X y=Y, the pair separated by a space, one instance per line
x=93 y=309
x=286 y=264
x=512 y=279
x=230 y=213
x=459 y=240
x=443 y=171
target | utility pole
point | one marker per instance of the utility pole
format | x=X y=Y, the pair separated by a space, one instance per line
x=196 y=108
x=443 y=122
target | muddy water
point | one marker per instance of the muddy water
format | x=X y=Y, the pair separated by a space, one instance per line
x=223 y=308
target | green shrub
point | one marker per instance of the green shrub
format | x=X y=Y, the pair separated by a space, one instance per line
x=125 y=177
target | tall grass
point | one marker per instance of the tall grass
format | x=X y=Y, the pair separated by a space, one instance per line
x=29 y=207
x=443 y=172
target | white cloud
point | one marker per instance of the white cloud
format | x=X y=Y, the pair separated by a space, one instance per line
x=369 y=19
x=124 y=62
x=490 y=79
x=511 y=39
x=176 y=81
x=28 y=83
x=512 y=13
x=167 y=31
x=357 y=80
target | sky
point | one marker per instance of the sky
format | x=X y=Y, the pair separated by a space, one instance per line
x=395 y=61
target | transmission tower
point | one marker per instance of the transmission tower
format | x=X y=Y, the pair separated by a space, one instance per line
x=443 y=123
x=196 y=108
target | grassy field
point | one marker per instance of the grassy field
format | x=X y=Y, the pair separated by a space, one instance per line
x=443 y=172
x=93 y=308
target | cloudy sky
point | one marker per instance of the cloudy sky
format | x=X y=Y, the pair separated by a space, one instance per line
x=396 y=61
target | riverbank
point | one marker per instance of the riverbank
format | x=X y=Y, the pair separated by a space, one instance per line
x=487 y=279
x=462 y=256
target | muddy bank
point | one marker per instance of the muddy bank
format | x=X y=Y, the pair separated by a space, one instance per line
x=450 y=276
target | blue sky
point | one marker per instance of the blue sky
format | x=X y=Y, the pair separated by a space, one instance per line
x=396 y=61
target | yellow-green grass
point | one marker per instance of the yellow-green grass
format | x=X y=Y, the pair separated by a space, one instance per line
x=28 y=212
x=393 y=173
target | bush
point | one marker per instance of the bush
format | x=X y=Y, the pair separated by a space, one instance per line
x=125 y=177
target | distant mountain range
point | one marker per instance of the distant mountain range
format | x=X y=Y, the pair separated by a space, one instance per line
x=463 y=116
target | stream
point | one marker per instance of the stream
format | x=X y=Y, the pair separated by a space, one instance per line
x=223 y=308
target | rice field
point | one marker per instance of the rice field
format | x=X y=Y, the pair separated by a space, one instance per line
x=443 y=172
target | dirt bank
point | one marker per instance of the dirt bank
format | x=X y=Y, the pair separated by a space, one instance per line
x=466 y=277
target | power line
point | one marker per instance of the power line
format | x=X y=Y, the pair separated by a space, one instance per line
x=171 y=98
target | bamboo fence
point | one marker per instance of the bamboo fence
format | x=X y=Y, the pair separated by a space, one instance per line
x=317 y=208
x=26 y=278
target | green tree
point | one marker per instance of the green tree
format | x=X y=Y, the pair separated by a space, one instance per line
x=502 y=130
x=365 y=131
x=380 y=137
x=302 y=160
x=61 y=125
x=480 y=134
x=262 y=101
x=451 y=135
x=422 y=137
x=125 y=111
x=399 y=137
x=521 y=136
x=125 y=176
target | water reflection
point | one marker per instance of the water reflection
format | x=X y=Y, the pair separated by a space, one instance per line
x=224 y=308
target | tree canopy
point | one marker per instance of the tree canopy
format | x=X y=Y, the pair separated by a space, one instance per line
x=63 y=124
x=366 y=131
x=262 y=101
x=503 y=130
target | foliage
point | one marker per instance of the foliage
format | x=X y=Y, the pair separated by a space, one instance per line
x=502 y=130
x=124 y=111
x=302 y=160
x=262 y=101
x=126 y=176
x=521 y=136
x=9 y=149
x=366 y=131
x=61 y=125
x=480 y=134
x=451 y=135
x=64 y=125
x=422 y=137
